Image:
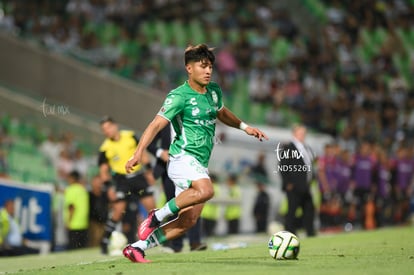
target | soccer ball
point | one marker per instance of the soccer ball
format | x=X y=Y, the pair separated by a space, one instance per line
x=117 y=242
x=284 y=245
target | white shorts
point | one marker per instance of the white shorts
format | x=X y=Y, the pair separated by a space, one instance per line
x=184 y=169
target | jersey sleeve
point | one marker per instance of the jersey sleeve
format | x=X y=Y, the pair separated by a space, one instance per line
x=220 y=103
x=102 y=154
x=173 y=105
x=102 y=158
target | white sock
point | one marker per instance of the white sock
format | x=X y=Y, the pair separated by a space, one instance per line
x=163 y=212
x=144 y=245
x=169 y=209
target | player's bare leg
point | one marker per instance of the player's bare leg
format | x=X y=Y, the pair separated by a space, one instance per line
x=169 y=231
x=187 y=218
x=200 y=191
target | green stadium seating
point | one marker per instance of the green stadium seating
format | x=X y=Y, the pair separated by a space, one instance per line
x=148 y=29
x=179 y=33
x=163 y=32
x=196 y=32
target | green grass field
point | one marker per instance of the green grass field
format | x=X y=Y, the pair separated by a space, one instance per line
x=384 y=251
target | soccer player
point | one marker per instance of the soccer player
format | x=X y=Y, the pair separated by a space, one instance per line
x=159 y=148
x=192 y=109
x=114 y=152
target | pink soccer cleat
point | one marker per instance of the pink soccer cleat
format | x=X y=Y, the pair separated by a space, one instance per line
x=148 y=226
x=135 y=254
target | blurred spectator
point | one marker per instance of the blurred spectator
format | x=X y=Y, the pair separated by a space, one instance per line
x=81 y=163
x=398 y=88
x=261 y=208
x=226 y=66
x=259 y=83
x=327 y=177
x=363 y=185
x=51 y=148
x=258 y=171
x=98 y=211
x=65 y=165
x=403 y=172
x=383 y=195
x=79 y=7
x=210 y=213
x=294 y=90
x=12 y=242
x=60 y=237
x=233 y=210
x=242 y=51
x=4 y=168
x=346 y=140
x=76 y=211
x=297 y=174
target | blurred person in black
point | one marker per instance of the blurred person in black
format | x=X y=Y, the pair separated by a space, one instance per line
x=296 y=170
x=262 y=203
x=98 y=210
x=258 y=171
x=159 y=147
x=261 y=207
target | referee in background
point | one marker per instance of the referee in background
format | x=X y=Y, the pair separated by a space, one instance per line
x=114 y=152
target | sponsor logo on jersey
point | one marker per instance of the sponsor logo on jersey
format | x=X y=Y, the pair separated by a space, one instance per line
x=193 y=101
x=205 y=122
x=195 y=111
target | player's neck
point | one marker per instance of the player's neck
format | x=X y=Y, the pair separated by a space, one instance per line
x=199 y=88
x=116 y=137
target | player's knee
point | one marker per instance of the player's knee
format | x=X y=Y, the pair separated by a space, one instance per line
x=207 y=193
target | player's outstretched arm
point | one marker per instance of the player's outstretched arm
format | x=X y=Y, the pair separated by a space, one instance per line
x=156 y=125
x=230 y=119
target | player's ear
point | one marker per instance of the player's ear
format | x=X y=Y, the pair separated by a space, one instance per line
x=189 y=67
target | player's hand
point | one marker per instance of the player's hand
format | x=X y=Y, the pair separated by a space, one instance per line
x=256 y=133
x=131 y=163
x=164 y=155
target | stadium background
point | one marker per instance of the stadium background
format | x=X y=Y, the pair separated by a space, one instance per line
x=343 y=69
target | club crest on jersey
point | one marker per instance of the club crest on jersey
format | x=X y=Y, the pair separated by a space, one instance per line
x=167 y=105
x=195 y=111
x=214 y=96
x=168 y=101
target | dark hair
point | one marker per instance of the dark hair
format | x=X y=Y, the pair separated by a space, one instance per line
x=197 y=53
x=75 y=175
x=106 y=119
x=233 y=177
